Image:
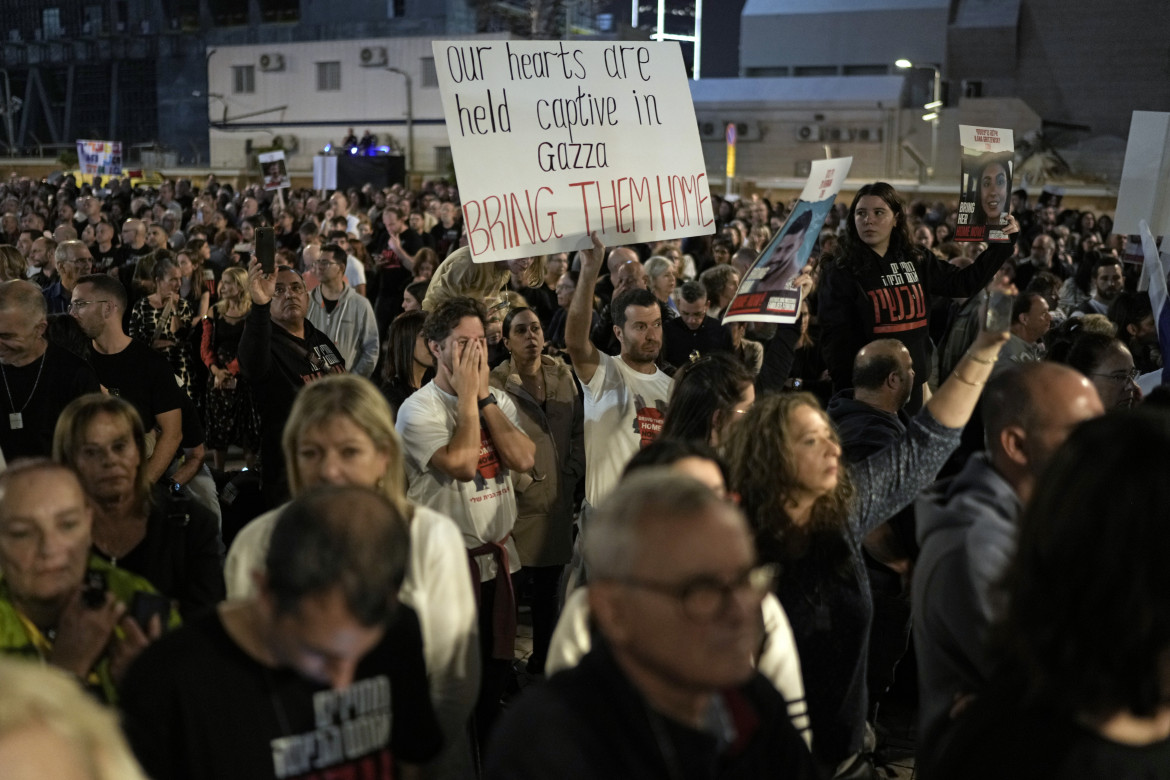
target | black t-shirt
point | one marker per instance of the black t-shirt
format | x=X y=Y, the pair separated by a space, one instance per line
x=63 y=378
x=196 y=707
x=141 y=376
x=181 y=554
x=995 y=737
x=679 y=342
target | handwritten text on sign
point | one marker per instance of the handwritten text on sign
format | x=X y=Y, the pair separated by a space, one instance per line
x=552 y=140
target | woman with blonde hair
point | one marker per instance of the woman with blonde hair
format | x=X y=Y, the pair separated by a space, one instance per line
x=461 y=277
x=229 y=408
x=340 y=432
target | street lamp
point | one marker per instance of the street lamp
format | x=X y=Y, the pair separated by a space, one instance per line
x=932 y=108
x=409 y=116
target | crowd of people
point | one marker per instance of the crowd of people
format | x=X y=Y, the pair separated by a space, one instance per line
x=283 y=522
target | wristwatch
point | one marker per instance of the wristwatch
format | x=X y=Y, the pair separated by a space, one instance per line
x=485 y=402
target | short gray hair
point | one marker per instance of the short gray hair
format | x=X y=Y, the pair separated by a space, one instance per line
x=613 y=535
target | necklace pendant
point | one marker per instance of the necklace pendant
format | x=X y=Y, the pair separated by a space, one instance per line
x=15 y=421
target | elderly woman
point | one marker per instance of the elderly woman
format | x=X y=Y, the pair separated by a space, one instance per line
x=340 y=432
x=552 y=415
x=660 y=273
x=59 y=602
x=173 y=543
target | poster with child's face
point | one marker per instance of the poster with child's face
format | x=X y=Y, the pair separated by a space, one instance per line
x=986 y=183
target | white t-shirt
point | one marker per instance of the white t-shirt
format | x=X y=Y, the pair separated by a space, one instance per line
x=624 y=410
x=484 y=508
x=355 y=272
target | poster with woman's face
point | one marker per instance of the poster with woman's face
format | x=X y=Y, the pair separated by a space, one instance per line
x=985 y=187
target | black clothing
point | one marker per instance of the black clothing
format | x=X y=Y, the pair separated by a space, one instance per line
x=277 y=364
x=141 y=376
x=996 y=737
x=888 y=297
x=181 y=554
x=591 y=723
x=680 y=343
x=63 y=378
x=446 y=240
x=197 y=707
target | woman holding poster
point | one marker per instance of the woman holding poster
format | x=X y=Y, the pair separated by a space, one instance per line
x=878 y=285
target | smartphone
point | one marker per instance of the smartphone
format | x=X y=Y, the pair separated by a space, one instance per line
x=999 y=312
x=93 y=590
x=266 y=249
x=144 y=606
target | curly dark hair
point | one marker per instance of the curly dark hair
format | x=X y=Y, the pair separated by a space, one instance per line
x=763 y=472
x=1091 y=554
x=449 y=314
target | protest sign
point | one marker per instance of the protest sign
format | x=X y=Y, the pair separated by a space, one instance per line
x=768 y=292
x=275 y=170
x=986 y=184
x=100 y=158
x=1144 y=194
x=552 y=140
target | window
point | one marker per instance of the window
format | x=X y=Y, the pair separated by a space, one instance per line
x=243 y=79
x=815 y=70
x=395 y=9
x=92 y=24
x=867 y=70
x=444 y=162
x=429 y=77
x=328 y=76
x=51 y=23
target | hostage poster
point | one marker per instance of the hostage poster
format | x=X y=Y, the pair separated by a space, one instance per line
x=985 y=187
x=768 y=292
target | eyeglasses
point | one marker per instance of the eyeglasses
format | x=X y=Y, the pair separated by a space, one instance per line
x=703 y=598
x=78 y=305
x=1123 y=376
x=292 y=289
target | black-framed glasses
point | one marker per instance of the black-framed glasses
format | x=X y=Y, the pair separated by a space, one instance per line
x=78 y=305
x=1123 y=376
x=703 y=598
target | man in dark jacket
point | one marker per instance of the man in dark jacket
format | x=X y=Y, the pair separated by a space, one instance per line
x=280 y=352
x=668 y=689
x=870 y=417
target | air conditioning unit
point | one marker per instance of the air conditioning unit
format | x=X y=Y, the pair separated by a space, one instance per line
x=839 y=134
x=803 y=169
x=710 y=131
x=810 y=133
x=868 y=135
x=271 y=62
x=744 y=131
x=373 y=56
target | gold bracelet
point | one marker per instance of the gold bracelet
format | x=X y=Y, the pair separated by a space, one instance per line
x=956 y=375
x=980 y=360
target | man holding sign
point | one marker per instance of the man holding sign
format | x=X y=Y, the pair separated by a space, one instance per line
x=625 y=396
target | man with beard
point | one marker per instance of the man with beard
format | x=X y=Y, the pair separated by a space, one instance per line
x=625 y=396
x=280 y=352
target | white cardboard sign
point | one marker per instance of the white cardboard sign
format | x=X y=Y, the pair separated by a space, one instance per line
x=554 y=139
